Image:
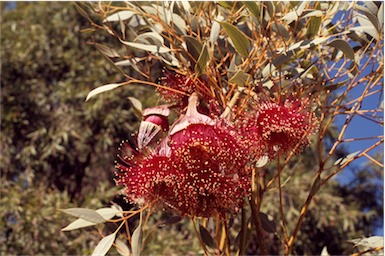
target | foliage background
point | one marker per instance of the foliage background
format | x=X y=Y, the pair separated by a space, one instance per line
x=57 y=151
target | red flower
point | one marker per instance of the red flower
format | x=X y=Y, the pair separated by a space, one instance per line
x=198 y=170
x=284 y=127
x=177 y=83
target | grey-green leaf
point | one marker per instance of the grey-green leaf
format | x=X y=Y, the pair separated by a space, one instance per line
x=316 y=186
x=137 y=106
x=369 y=242
x=194 y=47
x=239 y=39
x=122 y=15
x=136 y=242
x=170 y=221
x=239 y=78
x=149 y=48
x=122 y=248
x=268 y=223
x=101 y=89
x=253 y=8
x=85 y=214
x=203 y=59
x=206 y=237
x=104 y=245
x=343 y=46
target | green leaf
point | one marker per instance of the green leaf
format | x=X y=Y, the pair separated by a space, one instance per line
x=316 y=13
x=316 y=186
x=290 y=17
x=170 y=221
x=122 y=15
x=268 y=223
x=146 y=47
x=194 y=47
x=262 y=161
x=325 y=252
x=253 y=8
x=206 y=237
x=106 y=213
x=155 y=37
x=239 y=78
x=239 y=39
x=81 y=11
x=137 y=106
x=343 y=46
x=369 y=242
x=85 y=214
x=343 y=160
x=203 y=59
x=122 y=248
x=214 y=32
x=106 y=50
x=104 y=245
x=280 y=30
x=314 y=25
x=136 y=241
x=101 y=89
x=380 y=15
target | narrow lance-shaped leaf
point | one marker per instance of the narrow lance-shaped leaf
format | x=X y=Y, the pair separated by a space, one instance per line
x=122 y=248
x=137 y=106
x=101 y=89
x=106 y=213
x=136 y=241
x=206 y=237
x=122 y=15
x=150 y=48
x=343 y=46
x=239 y=39
x=86 y=214
x=104 y=245
x=267 y=222
x=203 y=59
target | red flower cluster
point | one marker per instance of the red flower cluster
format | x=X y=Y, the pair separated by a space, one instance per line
x=176 y=83
x=198 y=170
x=282 y=127
x=201 y=167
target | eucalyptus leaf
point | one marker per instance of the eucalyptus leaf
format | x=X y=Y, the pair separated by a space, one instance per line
x=380 y=15
x=343 y=160
x=122 y=15
x=343 y=46
x=239 y=78
x=268 y=223
x=206 y=237
x=149 y=48
x=106 y=213
x=369 y=242
x=85 y=214
x=136 y=241
x=122 y=248
x=324 y=252
x=194 y=47
x=137 y=106
x=316 y=186
x=106 y=50
x=170 y=221
x=104 y=245
x=101 y=89
x=155 y=37
x=316 y=13
x=214 y=33
x=239 y=39
x=203 y=59
x=253 y=8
